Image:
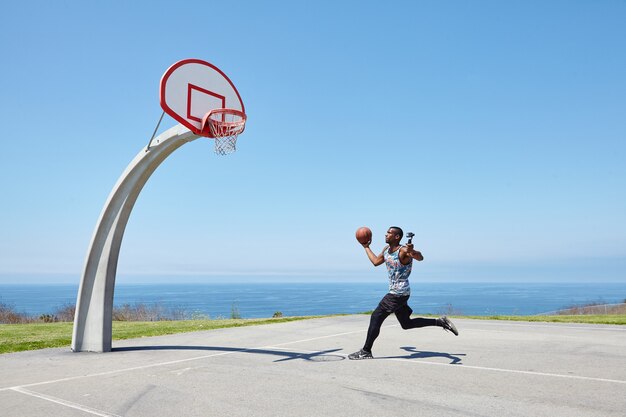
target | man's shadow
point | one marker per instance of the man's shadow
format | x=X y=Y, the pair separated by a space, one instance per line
x=320 y=356
x=422 y=354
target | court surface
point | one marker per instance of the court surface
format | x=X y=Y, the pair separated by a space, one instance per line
x=493 y=368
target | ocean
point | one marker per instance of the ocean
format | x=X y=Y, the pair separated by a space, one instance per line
x=254 y=300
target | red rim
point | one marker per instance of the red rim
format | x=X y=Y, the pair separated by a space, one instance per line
x=211 y=125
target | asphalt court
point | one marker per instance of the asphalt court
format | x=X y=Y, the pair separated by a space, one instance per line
x=493 y=368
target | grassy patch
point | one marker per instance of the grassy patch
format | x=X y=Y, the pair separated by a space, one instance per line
x=619 y=319
x=20 y=337
x=131 y=330
x=588 y=319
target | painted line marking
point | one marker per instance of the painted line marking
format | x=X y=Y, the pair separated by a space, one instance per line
x=153 y=365
x=94 y=411
x=135 y=368
x=65 y=403
x=514 y=371
x=325 y=337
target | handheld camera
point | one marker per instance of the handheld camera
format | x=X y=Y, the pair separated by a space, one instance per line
x=410 y=236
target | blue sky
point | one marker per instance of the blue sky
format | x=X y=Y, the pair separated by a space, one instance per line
x=495 y=131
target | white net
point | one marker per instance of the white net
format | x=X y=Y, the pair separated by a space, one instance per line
x=226 y=125
x=226 y=145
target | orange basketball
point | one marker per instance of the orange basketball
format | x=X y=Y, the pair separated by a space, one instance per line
x=363 y=235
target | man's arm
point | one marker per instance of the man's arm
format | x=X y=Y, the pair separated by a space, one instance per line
x=407 y=252
x=376 y=260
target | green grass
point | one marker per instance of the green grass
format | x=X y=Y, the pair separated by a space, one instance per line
x=31 y=336
x=619 y=319
x=20 y=337
x=588 y=319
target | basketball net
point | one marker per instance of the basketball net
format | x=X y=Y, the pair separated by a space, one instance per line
x=225 y=126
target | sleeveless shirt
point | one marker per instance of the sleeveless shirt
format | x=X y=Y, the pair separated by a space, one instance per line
x=398 y=273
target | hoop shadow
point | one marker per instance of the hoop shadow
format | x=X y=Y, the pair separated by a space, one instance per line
x=422 y=354
x=320 y=356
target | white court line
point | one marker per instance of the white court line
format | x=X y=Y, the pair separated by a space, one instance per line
x=66 y=403
x=483 y=368
x=94 y=411
x=136 y=368
x=325 y=337
x=71 y=378
x=514 y=371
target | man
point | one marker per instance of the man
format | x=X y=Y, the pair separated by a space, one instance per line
x=399 y=261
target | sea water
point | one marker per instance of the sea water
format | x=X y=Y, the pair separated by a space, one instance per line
x=253 y=300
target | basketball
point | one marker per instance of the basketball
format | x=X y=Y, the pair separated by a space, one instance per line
x=363 y=235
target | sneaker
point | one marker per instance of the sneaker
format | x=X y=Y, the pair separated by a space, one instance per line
x=361 y=354
x=448 y=325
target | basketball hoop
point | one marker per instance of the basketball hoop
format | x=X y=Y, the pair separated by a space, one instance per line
x=224 y=125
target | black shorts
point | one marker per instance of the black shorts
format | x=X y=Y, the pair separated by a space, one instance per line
x=392 y=303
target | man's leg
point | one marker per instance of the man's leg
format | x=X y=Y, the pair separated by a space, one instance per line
x=404 y=317
x=376 y=321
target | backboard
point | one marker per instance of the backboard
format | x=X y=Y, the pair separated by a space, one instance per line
x=191 y=88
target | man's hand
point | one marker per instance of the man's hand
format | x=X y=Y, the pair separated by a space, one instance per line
x=417 y=255
x=376 y=260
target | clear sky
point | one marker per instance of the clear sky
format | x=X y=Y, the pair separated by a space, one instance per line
x=495 y=131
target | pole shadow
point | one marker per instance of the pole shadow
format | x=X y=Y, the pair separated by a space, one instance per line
x=423 y=354
x=319 y=356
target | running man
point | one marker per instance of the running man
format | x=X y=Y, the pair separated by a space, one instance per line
x=399 y=261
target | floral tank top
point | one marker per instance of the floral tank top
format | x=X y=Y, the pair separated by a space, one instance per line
x=398 y=273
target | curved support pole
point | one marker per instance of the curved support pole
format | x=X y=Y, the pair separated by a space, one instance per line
x=94 y=305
